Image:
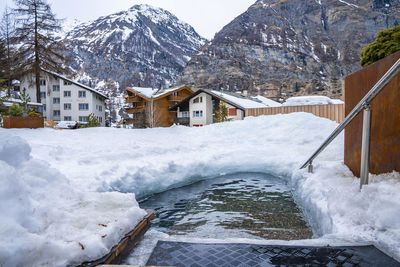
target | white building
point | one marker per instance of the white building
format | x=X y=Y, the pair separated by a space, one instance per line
x=199 y=108
x=64 y=99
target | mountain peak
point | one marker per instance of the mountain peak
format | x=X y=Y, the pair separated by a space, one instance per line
x=141 y=46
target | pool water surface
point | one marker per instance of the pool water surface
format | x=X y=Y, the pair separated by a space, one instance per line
x=243 y=205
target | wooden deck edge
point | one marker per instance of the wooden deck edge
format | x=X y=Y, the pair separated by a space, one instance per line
x=125 y=245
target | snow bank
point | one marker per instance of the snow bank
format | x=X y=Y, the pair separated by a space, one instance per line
x=43 y=218
x=310 y=100
x=145 y=161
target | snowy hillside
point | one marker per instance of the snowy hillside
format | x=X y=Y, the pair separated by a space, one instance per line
x=143 y=46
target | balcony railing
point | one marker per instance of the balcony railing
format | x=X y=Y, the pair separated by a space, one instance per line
x=182 y=121
x=134 y=109
x=132 y=99
x=176 y=98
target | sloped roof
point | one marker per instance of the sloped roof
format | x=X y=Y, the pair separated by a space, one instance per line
x=239 y=100
x=155 y=93
x=268 y=102
x=235 y=100
x=143 y=91
x=76 y=83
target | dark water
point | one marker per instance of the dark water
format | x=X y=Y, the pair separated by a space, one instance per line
x=245 y=205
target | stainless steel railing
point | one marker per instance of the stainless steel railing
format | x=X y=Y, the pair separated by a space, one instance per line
x=364 y=104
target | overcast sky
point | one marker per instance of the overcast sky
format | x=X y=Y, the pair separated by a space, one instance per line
x=206 y=16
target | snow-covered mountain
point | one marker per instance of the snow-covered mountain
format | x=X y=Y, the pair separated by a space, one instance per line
x=283 y=48
x=143 y=46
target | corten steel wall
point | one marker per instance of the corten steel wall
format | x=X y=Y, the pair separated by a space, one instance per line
x=385 y=124
x=23 y=122
x=333 y=112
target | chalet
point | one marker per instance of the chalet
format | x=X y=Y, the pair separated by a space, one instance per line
x=64 y=99
x=148 y=107
x=200 y=108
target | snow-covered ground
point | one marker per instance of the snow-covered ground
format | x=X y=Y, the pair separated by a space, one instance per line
x=69 y=167
x=310 y=100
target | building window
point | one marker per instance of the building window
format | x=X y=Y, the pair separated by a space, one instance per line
x=67 y=82
x=56 y=113
x=100 y=108
x=84 y=106
x=82 y=118
x=175 y=93
x=185 y=114
x=232 y=112
x=67 y=118
x=67 y=106
x=44 y=107
x=42 y=82
x=56 y=88
x=198 y=100
x=198 y=113
x=42 y=95
x=67 y=93
x=56 y=100
x=101 y=119
x=82 y=94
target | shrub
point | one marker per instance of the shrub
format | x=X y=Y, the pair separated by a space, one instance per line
x=92 y=121
x=387 y=42
x=33 y=114
x=16 y=110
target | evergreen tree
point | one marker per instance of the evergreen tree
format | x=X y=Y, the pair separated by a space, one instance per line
x=387 y=42
x=25 y=98
x=36 y=25
x=222 y=112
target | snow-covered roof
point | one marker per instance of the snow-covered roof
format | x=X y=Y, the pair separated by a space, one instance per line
x=76 y=83
x=8 y=102
x=144 y=91
x=311 y=100
x=167 y=91
x=154 y=93
x=268 y=102
x=240 y=101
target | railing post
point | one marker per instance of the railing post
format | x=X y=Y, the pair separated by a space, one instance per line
x=365 y=146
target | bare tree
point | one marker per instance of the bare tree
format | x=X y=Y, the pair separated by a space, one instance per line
x=154 y=114
x=7 y=31
x=36 y=25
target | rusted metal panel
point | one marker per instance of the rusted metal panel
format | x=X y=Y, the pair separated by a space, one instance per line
x=385 y=125
x=23 y=122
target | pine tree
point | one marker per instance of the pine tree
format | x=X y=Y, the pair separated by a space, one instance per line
x=36 y=25
x=387 y=42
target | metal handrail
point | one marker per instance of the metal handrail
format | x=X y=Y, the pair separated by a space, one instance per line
x=363 y=104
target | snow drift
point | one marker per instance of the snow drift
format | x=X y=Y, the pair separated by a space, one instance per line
x=44 y=221
x=145 y=161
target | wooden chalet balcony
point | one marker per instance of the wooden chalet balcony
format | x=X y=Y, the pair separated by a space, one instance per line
x=134 y=109
x=182 y=121
x=176 y=98
x=132 y=99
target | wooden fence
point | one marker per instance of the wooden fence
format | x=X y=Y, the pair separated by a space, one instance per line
x=333 y=112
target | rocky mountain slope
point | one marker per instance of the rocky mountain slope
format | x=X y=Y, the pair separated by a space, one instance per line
x=281 y=48
x=143 y=46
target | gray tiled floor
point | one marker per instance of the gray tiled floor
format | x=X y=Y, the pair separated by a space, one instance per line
x=219 y=255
